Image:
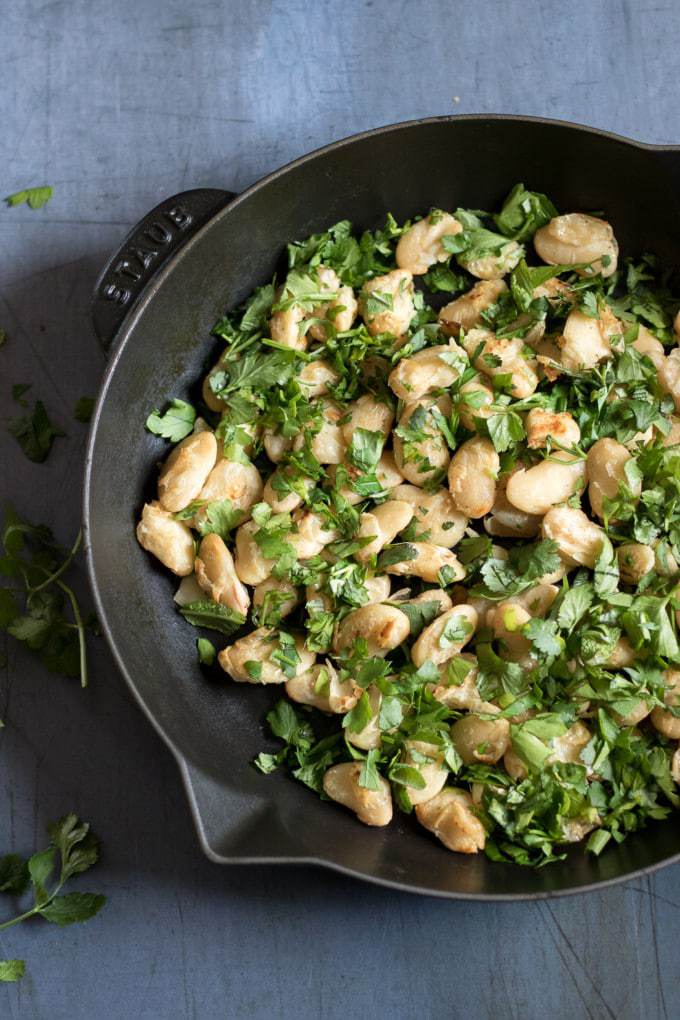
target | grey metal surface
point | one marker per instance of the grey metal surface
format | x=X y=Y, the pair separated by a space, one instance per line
x=118 y=108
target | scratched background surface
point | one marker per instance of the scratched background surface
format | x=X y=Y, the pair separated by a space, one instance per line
x=118 y=106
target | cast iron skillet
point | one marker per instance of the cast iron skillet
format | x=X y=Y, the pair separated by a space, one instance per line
x=191 y=258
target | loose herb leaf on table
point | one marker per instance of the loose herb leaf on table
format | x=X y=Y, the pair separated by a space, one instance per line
x=73 y=849
x=34 y=432
x=35 y=198
x=37 y=606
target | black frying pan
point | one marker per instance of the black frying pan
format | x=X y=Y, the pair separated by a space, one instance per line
x=155 y=303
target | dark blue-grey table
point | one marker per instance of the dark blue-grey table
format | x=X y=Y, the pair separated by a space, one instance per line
x=118 y=106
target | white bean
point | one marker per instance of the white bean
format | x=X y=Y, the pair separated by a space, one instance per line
x=507 y=621
x=315 y=377
x=367 y=413
x=460 y=696
x=451 y=818
x=472 y=477
x=501 y=356
x=382 y=627
x=425 y=453
x=474 y=400
x=435 y=514
x=217 y=577
x=372 y=807
x=559 y=427
x=647 y=344
x=280 y=497
x=184 y=473
x=386 y=303
x=170 y=541
x=579 y=540
x=284 y=326
x=669 y=376
x=586 y=341
x=480 y=740
x=567 y=748
x=466 y=311
x=258 y=647
x=322 y=688
x=433 y=771
x=277 y=446
x=662 y=720
x=506 y=520
x=607 y=461
x=370 y=736
x=635 y=560
x=378 y=588
x=251 y=566
x=424 y=371
x=340 y=309
x=427 y=563
x=434 y=643
x=240 y=483
x=420 y=246
x=312 y=534
x=577 y=237
x=536 y=490
x=327 y=445
x=492 y=267
x=382 y=525
x=279 y=598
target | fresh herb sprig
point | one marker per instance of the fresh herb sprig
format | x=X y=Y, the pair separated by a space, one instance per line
x=34 y=600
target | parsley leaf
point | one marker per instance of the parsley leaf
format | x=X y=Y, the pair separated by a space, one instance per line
x=419 y=614
x=365 y=449
x=83 y=409
x=35 y=433
x=523 y=212
x=34 y=558
x=221 y=517
x=35 y=198
x=213 y=615
x=504 y=430
x=77 y=849
x=206 y=651
x=175 y=423
x=12 y=970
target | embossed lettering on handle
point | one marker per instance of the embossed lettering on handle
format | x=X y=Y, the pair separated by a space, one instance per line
x=139 y=256
x=146 y=248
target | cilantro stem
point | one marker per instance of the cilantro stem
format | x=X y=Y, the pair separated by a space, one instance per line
x=60 y=570
x=81 y=630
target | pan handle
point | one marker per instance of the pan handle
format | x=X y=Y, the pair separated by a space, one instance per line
x=148 y=247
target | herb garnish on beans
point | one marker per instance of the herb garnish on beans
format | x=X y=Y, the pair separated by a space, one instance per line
x=432 y=492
